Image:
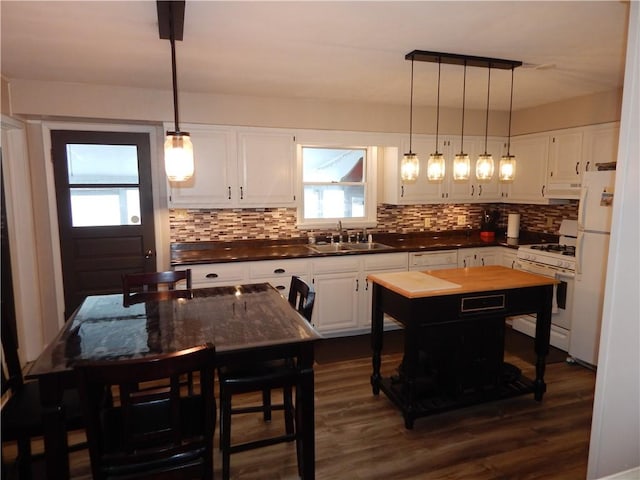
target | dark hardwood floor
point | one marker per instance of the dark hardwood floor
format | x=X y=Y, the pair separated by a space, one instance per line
x=361 y=436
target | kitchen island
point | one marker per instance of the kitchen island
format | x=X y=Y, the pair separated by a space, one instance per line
x=453 y=324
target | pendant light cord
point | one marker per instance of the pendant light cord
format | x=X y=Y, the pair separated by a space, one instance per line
x=510 y=110
x=486 y=128
x=172 y=40
x=438 y=107
x=411 y=110
x=464 y=88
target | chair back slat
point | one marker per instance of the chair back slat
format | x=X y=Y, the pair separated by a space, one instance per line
x=141 y=287
x=11 y=368
x=149 y=430
x=302 y=297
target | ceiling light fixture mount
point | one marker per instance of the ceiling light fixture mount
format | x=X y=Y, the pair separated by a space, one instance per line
x=178 y=149
x=436 y=164
x=410 y=165
x=484 y=166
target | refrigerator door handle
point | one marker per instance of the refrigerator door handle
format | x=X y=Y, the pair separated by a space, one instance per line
x=581 y=207
x=579 y=250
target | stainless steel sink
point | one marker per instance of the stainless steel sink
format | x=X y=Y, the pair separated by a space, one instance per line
x=348 y=247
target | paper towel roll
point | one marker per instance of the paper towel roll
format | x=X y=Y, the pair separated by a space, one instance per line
x=513 y=225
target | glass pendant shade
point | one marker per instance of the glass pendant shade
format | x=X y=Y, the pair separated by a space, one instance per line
x=178 y=156
x=409 y=167
x=484 y=167
x=461 y=167
x=507 y=168
x=435 y=167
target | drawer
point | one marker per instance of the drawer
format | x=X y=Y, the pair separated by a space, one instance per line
x=430 y=260
x=336 y=264
x=385 y=261
x=278 y=268
x=219 y=274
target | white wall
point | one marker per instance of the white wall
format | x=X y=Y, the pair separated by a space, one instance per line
x=615 y=431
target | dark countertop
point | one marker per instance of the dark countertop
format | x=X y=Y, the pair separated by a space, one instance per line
x=192 y=253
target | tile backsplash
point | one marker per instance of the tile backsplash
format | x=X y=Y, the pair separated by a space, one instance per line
x=280 y=223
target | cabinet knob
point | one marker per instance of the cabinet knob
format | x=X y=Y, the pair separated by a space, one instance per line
x=577 y=165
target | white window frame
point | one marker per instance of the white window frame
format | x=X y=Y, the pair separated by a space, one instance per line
x=370 y=191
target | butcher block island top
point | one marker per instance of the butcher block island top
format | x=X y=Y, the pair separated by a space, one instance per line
x=457 y=281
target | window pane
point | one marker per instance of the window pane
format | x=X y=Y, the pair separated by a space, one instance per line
x=88 y=163
x=332 y=165
x=334 y=201
x=93 y=207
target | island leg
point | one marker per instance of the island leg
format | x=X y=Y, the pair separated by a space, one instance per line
x=377 y=329
x=543 y=335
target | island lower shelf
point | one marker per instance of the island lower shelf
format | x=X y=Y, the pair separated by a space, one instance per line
x=441 y=400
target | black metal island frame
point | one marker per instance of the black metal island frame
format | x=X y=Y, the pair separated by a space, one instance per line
x=454 y=336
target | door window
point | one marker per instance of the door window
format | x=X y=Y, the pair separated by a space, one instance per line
x=104 y=185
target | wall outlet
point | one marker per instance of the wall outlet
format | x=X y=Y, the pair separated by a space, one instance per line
x=427 y=222
x=549 y=221
x=462 y=219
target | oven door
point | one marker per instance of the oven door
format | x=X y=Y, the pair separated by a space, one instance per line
x=562 y=301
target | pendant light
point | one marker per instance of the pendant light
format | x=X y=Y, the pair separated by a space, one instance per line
x=484 y=165
x=507 y=169
x=461 y=162
x=410 y=165
x=178 y=149
x=436 y=163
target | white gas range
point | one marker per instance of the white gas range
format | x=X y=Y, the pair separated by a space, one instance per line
x=555 y=260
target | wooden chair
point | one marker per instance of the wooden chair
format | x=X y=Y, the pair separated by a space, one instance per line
x=263 y=378
x=155 y=433
x=140 y=287
x=22 y=412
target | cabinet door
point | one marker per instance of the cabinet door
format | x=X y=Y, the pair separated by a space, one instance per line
x=488 y=256
x=266 y=169
x=214 y=152
x=600 y=146
x=467 y=257
x=422 y=190
x=379 y=263
x=564 y=170
x=336 y=305
x=508 y=257
x=531 y=166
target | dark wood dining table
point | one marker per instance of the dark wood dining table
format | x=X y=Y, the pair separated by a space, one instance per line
x=245 y=323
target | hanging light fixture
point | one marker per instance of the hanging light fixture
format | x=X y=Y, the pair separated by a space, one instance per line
x=484 y=165
x=461 y=162
x=436 y=163
x=507 y=169
x=178 y=149
x=410 y=165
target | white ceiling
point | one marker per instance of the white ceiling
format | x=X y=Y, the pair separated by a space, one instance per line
x=346 y=51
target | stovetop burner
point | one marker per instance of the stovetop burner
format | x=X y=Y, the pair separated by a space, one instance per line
x=568 y=250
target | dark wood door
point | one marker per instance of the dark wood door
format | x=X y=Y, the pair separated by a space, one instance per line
x=105 y=210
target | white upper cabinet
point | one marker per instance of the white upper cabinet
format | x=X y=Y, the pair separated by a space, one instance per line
x=266 y=164
x=529 y=185
x=396 y=191
x=238 y=168
x=214 y=151
x=564 y=171
x=600 y=145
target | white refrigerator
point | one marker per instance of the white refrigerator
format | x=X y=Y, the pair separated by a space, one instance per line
x=592 y=249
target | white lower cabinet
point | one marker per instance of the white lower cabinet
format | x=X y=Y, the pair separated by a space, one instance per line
x=337 y=284
x=343 y=294
x=508 y=257
x=479 y=257
x=218 y=274
x=279 y=272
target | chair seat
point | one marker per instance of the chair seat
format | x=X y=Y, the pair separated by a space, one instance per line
x=22 y=414
x=270 y=374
